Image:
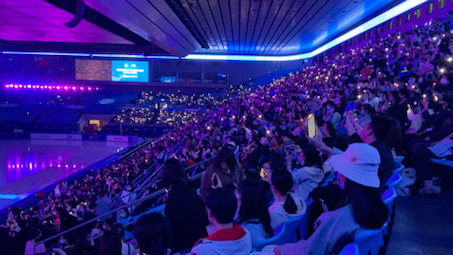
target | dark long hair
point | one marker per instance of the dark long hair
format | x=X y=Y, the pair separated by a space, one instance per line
x=311 y=154
x=394 y=138
x=153 y=234
x=368 y=209
x=225 y=155
x=172 y=172
x=254 y=204
x=282 y=180
x=369 y=109
x=278 y=162
x=110 y=244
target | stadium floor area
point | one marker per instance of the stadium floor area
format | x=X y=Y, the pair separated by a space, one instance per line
x=27 y=166
x=423 y=225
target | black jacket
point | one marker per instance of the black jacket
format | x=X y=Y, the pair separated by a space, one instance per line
x=187 y=215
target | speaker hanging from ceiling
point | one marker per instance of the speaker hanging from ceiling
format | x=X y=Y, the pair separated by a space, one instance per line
x=78 y=15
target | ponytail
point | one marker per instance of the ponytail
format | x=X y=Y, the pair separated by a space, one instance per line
x=282 y=180
x=290 y=206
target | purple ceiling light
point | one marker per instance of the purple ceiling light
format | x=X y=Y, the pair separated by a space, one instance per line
x=43 y=87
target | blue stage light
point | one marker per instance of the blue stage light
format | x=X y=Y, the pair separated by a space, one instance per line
x=390 y=14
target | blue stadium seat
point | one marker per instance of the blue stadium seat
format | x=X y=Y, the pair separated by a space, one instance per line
x=399 y=159
x=389 y=197
x=350 y=249
x=394 y=180
x=369 y=240
x=398 y=167
x=276 y=239
x=444 y=162
x=291 y=226
x=288 y=232
x=303 y=223
x=19 y=113
x=329 y=179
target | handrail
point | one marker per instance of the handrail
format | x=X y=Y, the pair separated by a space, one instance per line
x=142 y=186
x=177 y=146
x=199 y=175
x=199 y=163
x=151 y=180
x=137 y=179
x=145 y=198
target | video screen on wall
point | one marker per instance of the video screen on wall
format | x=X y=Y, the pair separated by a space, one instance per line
x=93 y=70
x=112 y=70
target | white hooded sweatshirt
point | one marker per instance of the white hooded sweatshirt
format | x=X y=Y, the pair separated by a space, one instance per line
x=234 y=241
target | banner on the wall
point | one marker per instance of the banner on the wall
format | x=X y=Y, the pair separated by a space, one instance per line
x=55 y=136
x=113 y=138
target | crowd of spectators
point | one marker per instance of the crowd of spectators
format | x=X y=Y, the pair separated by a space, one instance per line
x=389 y=98
x=142 y=116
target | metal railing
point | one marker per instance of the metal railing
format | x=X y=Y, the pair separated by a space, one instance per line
x=138 y=201
x=148 y=171
x=150 y=178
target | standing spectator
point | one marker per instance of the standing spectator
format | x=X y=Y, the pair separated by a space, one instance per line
x=108 y=224
x=67 y=221
x=126 y=249
x=224 y=171
x=184 y=208
x=110 y=244
x=103 y=205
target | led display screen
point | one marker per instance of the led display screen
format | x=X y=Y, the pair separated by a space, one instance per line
x=130 y=71
x=112 y=70
x=93 y=70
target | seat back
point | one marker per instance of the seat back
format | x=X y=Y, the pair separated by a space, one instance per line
x=329 y=179
x=398 y=159
x=389 y=197
x=291 y=227
x=303 y=223
x=394 y=180
x=370 y=240
x=398 y=167
x=350 y=249
x=276 y=239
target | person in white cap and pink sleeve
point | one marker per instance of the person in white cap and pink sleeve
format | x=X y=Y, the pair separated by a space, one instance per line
x=361 y=206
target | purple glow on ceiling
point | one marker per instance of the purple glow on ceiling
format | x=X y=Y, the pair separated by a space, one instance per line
x=36 y=20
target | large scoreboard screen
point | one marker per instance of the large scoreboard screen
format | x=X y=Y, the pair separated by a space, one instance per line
x=112 y=70
x=130 y=71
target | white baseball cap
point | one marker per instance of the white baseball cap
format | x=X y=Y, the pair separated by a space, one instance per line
x=359 y=163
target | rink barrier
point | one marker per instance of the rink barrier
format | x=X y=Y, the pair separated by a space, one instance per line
x=83 y=137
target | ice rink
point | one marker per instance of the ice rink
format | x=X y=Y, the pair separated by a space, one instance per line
x=27 y=166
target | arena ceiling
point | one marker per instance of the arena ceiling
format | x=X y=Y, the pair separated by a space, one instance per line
x=182 y=27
